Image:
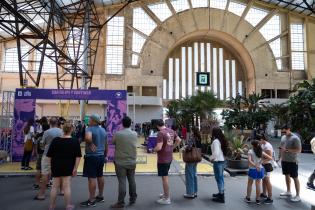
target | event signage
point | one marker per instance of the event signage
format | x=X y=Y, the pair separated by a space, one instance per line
x=25 y=105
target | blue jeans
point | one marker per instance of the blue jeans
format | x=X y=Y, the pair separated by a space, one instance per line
x=191 y=178
x=218 y=168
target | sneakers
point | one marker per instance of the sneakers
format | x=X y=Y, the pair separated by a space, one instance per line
x=247 y=200
x=164 y=201
x=161 y=195
x=189 y=196
x=99 y=199
x=310 y=186
x=258 y=202
x=88 y=203
x=296 y=199
x=268 y=201
x=263 y=196
x=219 y=199
x=215 y=195
x=286 y=194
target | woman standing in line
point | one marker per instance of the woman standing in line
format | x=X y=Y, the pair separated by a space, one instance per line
x=28 y=145
x=256 y=170
x=219 y=148
x=64 y=154
x=191 y=168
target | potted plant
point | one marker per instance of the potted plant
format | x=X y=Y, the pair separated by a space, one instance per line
x=302 y=112
x=237 y=159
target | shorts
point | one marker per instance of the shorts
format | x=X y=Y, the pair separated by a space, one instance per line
x=268 y=169
x=45 y=165
x=163 y=168
x=93 y=166
x=253 y=173
x=39 y=162
x=290 y=168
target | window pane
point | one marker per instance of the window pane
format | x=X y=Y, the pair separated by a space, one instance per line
x=297 y=46
x=137 y=42
x=161 y=10
x=11 y=63
x=114 y=59
x=298 y=61
x=115 y=31
x=219 y=4
x=75 y=46
x=115 y=46
x=272 y=28
x=142 y=21
x=236 y=8
x=276 y=49
x=297 y=39
x=49 y=66
x=255 y=15
x=135 y=59
x=199 y=3
x=180 y=5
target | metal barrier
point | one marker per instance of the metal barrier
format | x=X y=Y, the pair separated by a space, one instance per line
x=5 y=143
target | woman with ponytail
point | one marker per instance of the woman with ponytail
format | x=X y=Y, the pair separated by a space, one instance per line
x=256 y=170
x=219 y=148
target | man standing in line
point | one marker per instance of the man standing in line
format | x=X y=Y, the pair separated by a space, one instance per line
x=125 y=142
x=164 y=149
x=290 y=147
x=47 y=138
x=95 y=153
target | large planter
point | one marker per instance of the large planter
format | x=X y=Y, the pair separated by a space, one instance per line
x=237 y=164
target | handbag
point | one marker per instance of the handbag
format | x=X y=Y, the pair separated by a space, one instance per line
x=28 y=146
x=192 y=154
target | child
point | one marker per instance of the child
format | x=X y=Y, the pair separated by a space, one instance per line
x=256 y=170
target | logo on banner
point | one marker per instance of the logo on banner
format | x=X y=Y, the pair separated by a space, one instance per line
x=118 y=95
x=27 y=93
x=20 y=93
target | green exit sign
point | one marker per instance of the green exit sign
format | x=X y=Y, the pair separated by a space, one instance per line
x=203 y=78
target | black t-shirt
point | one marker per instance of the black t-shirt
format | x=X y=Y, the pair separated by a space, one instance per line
x=63 y=152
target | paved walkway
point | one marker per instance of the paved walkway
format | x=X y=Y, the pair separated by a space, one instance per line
x=16 y=194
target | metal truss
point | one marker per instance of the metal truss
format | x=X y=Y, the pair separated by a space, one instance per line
x=306 y=7
x=68 y=34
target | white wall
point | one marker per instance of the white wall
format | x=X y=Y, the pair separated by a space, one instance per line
x=146 y=113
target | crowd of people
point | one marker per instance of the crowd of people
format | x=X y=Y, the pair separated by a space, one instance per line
x=59 y=153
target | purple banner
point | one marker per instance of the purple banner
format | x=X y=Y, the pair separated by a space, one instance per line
x=116 y=110
x=24 y=110
x=71 y=94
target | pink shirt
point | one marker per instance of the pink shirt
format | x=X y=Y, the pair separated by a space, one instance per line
x=167 y=136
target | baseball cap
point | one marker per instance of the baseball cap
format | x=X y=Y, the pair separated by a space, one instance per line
x=95 y=117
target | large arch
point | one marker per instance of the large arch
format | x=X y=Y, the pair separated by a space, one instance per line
x=219 y=26
x=236 y=47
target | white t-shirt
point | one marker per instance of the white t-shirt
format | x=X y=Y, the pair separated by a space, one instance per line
x=29 y=135
x=217 y=153
x=255 y=159
x=267 y=147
